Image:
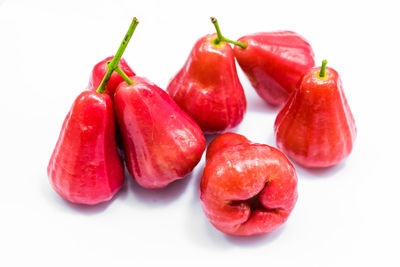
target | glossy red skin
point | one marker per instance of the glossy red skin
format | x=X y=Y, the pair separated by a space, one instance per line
x=316 y=127
x=100 y=70
x=247 y=188
x=84 y=167
x=222 y=141
x=274 y=62
x=161 y=142
x=208 y=88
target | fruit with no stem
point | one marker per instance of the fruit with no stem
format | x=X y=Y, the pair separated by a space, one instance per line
x=85 y=167
x=274 y=62
x=161 y=142
x=253 y=194
x=208 y=88
x=100 y=69
x=316 y=127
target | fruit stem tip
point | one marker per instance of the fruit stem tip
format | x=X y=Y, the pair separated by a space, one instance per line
x=323 y=67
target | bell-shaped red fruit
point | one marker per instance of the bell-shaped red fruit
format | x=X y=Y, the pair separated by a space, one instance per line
x=84 y=167
x=247 y=188
x=208 y=88
x=100 y=70
x=161 y=142
x=274 y=62
x=316 y=127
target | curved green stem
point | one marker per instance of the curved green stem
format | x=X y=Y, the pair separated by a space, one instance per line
x=123 y=75
x=322 y=71
x=221 y=38
x=114 y=62
x=219 y=34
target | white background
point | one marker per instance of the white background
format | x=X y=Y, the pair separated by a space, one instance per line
x=347 y=215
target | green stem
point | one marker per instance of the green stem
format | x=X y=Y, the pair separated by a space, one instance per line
x=114 y=62
x=123 y=75
x=219 y=34
x=322 y=71
x=221 y=38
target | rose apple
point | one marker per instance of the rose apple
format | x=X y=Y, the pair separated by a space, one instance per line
x=247 y=188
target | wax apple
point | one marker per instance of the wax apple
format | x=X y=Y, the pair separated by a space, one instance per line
x=274 y=62
x=316 y=127
x=208 y=88
x=161 y=142
x=247 y=188
x=100 y=70
x=85 y=167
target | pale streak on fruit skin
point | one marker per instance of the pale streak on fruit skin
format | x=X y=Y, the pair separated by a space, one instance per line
x=234 y=174
x=161 y=142
x=316 y=128
x=207 y=87
x=85 y=167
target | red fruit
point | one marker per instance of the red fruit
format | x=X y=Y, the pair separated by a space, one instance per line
x=316 y=127
x=161 y=142
x=274 y=62
x=84 y=167
x=100 y=70
x=225 y=140
x=247 y=188
x=208 y=88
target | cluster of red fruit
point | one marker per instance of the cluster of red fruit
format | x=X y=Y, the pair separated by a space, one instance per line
x=246 y=188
